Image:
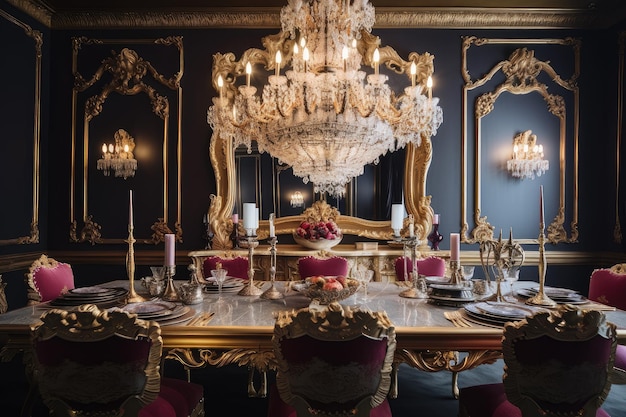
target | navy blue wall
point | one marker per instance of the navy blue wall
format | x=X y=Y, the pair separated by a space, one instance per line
x=519 y=200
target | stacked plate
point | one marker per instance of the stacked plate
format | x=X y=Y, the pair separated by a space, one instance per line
x=558 y=295
x=231 y=285
x=164 y=312
x=437 y=280
x=451 y=295
x=493 y=312
x=100 y=296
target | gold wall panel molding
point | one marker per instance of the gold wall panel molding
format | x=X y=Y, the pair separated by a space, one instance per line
x=617 y=229
x=521 y=71
x=33 y=234
x=268 y=17
x=129 y=74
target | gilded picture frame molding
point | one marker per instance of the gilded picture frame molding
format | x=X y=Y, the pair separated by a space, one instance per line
x=37 y=37
x=91 y=230
x=484 y=104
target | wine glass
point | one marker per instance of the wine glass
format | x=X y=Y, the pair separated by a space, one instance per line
x=468 y=273
x=364 y=276
x=511 y=275
x=220 y=276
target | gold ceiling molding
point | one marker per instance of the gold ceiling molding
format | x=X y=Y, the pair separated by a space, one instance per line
x=268 y=17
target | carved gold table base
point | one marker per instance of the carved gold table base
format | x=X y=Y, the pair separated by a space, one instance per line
x=262 y=361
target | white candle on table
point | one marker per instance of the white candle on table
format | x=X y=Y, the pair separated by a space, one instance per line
x=256 y=218
x=130 y=209
x=454 y=246
x=248 y=215
x=272 y=229
x=397 y=215
x=170 y=244
x=541 y=205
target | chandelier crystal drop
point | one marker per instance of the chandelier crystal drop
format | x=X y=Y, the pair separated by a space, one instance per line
x=324 y=115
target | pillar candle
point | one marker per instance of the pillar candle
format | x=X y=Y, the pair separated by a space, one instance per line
x=130 y=209
x=436 y=219
x=454 y=246
x=397 y=215
x=170 y=243
x=256 y=218
x=248 y=215
x=272 y=230
x=235 y=218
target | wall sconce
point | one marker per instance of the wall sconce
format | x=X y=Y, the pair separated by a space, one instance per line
x=527 y=160
x=119 y=157
x=297 y=199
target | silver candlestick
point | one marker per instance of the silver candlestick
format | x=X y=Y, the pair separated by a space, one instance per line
x=272 y=293
x=418 y=289
x=170 y=293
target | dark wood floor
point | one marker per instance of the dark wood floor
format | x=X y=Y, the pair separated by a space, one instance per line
x=420 y=393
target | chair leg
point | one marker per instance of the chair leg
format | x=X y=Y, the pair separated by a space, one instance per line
x=455 y=384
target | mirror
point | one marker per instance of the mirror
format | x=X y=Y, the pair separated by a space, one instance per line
x=222 y=154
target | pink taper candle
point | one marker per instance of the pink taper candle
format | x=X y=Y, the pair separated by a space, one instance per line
x=454 y=246
x=170 y=259
x=130 y=209
x=541 y=205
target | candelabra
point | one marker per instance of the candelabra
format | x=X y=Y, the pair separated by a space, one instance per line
x=418 y=288
x=170 y=293
x=272 y=293
x=132 y=297
x=250 y=288
x=456 y=274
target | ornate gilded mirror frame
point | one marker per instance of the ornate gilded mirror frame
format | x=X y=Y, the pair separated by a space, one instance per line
x=33 y=236
x=127 y=70
x=520 y=72
x=417 y=162
x=617 y=230
x=417 y=158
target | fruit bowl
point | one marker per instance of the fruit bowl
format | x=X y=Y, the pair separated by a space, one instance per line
x=315 y=290
x=318 y=244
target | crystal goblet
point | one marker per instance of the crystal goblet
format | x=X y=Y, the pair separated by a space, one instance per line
x=220 y=276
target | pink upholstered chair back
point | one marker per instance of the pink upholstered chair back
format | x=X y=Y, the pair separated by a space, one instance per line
x=310 y=266
x=47 y=279
x=559 y=363
x=608 y=286
x=431 y=266
x=237 y=267
x=333 y=362
x=97 y=361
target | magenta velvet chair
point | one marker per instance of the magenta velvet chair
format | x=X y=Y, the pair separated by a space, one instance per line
x=93 y=362
x=309 y=266
x=608 y=286
x=47 y=279
x=557 y=363
x=336 y=362
x=237 y=267
x=431 y=266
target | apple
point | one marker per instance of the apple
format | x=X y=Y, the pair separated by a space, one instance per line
x=343 y=281
x=333 y=285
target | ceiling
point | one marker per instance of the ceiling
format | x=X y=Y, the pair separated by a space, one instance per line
x=264 y=13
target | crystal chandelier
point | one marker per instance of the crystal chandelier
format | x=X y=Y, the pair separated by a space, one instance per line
x=527 y=160
x=324 y=115
x=119 y=158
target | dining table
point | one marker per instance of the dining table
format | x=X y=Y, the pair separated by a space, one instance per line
x=228 y=328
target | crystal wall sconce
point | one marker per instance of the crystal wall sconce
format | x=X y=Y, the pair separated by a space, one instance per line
x=119 y=158
x=527 y=160
x=297 y=199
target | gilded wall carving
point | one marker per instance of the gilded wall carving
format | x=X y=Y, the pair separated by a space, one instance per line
x=124 y=73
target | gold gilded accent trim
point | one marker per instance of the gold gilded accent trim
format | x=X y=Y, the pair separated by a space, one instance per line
x=127 y=70
x=33 y=236
x=520 y=70
x=268 y=17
